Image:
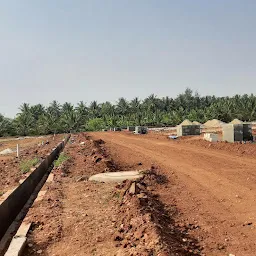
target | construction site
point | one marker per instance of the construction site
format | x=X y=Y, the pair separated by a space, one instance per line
x=128 y=128
x=133 y=192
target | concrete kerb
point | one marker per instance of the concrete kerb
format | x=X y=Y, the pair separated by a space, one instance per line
x=17 y=246
x=19 y=240
x=6 y=195
x=40 y=195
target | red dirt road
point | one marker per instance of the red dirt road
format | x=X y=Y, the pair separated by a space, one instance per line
x=214 y=189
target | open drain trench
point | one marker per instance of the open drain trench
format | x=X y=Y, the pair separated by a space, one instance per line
x=13 y=210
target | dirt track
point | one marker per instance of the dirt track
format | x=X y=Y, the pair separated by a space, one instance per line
x=214 y=189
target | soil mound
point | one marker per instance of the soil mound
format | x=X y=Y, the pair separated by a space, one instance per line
x=6 y=151
x=236 y=121
x=214 y=123
x=196 y=123
x=146 y=226
x=186 y=122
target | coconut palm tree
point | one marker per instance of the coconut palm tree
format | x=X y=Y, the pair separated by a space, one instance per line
x=122 y=109
x=152 y=110
x=94 y=109
x=136 y=111
x=82 y=113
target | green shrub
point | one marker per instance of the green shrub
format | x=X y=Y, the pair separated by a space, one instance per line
x=62 y=158
x=95 y=124
x=26 y=165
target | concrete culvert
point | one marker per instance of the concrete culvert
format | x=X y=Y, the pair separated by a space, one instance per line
x=141 y=130
x=116 y=176
x=185 y=130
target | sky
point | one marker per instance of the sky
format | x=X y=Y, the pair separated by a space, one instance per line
x=106 y=49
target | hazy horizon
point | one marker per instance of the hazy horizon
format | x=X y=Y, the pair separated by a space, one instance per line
x=95 y=50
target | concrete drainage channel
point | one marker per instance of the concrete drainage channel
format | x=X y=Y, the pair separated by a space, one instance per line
x=15 y=207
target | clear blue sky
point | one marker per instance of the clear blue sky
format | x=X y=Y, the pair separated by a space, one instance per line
x=105 y=49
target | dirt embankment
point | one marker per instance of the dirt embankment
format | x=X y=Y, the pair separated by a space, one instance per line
x=247 y=149
x=147 y=226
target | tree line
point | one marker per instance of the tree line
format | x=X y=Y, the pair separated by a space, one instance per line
x=152 y=111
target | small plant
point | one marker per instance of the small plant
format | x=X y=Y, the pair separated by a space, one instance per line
x=117 y=196
x=26 y=165
x=62 y=158
x=1 y=193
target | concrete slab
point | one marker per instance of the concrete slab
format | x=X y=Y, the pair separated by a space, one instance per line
x=16 y=247
x=21 y=181
x=6 y=194
x=133 y=188
x=25 y=176
x=116 y=176
x=23 y=229
x=50 y=177
x=40 y=195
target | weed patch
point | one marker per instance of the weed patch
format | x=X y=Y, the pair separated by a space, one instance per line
x=26 y=165
x=62 y=158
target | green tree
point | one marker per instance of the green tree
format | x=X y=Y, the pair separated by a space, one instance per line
x=6 y=126
x=94 y=110
x=123 y=111
x=53 y=114
x=24 y=121
x=96 y=124
x=155 y=111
